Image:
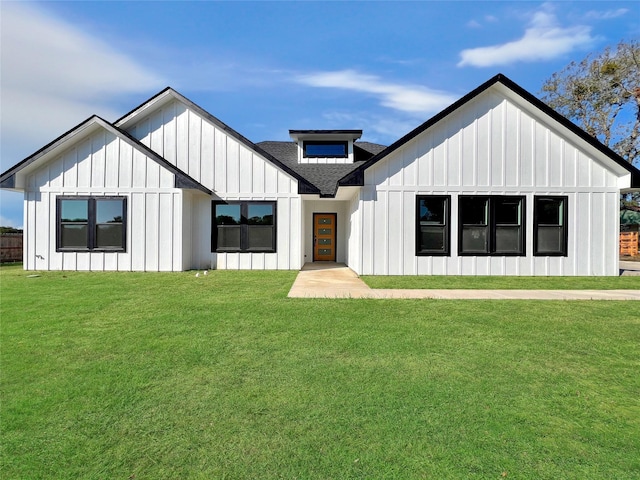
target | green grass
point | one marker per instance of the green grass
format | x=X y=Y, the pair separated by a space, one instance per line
x=499 y=283
x=152 y=376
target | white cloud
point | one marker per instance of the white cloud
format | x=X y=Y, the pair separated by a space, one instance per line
x=478 y=24
x=607 y=14
x=387 y=130
x=54 y=75
x=544 y=39
x=405 y=98
x=407 y=62
x=383 y=129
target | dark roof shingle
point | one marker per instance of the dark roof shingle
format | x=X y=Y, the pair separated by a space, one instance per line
x=323 y=176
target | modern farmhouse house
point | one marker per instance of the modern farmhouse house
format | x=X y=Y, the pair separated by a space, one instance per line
x=496 y=184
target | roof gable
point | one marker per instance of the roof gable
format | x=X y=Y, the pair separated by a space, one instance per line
x=521 y=96
x=168 y=94
x=79 y=132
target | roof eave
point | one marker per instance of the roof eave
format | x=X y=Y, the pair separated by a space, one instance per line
x=11 y=178
x=168 y=92
x=517 y=89
x=16 y=172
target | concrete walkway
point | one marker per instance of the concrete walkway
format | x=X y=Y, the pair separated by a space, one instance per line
x=335 y=280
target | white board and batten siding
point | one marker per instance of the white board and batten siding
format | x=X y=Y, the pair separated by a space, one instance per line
x=491 y=146
x=234 y=172
x=105 y=165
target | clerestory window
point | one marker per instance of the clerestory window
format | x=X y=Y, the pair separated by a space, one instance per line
x=333 y=149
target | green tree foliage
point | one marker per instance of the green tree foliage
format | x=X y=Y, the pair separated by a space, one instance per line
x=602 y=95
x=9 y=230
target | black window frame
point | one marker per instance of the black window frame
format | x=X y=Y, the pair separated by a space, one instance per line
x=420 y=252
x=563 y=252
x=91 y=223
x=306 y=143
x=245 y=227
x=491 y=225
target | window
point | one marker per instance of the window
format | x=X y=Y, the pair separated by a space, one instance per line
x=244 y=227
x=91 y=223
x=432 y=225
x=492 y=225
x=325 y=149
x=550 y=226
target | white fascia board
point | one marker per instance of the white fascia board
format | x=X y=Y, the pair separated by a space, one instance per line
x=624 y=181
x=346 y=192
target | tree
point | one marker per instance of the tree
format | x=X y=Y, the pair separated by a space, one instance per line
x=9 y=230
x=602 y=95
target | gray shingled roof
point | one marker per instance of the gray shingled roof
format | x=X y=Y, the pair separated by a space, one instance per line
x=323 y=176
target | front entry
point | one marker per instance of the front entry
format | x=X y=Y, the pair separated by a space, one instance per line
x=324 y=237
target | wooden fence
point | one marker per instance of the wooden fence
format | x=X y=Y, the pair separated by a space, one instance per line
x=10 y=247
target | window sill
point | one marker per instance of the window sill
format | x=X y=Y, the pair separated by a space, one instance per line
x=484 y=254
x=93 y=250
x=243 y=251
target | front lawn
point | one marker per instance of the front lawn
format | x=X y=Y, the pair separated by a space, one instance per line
x=153 y=376
x=505 y=282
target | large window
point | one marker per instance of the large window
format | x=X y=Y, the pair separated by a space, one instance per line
x=550 y=226
x=432 y=224
x=325 y=149
x=91 y=223
x=491 y=225
x=244 y=227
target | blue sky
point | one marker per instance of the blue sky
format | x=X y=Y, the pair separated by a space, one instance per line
x=267 y=67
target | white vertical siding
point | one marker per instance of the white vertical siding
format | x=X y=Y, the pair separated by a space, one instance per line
x=288 y=255
x=353 y=256
x=232 y=171
x=208 y=154
x=105 y=165
x=491 y=146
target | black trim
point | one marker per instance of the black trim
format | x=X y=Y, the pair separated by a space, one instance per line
x=182 y=180
x=492 y=224
x=49 y=146
x=307 y=143
x=307 y=188
x=353 y=179
x=91 y=224
x=181 y=177
x=149 y=100
x=245 y=227
x=447 y=227
x=335 y=236
x=8 y=181
x=325 y=132
x=565 y=217
x=500 y=78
